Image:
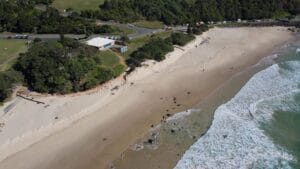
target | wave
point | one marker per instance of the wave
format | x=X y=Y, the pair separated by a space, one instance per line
x=235 y=139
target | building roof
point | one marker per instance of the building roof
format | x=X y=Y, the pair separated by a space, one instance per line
x=99 y=42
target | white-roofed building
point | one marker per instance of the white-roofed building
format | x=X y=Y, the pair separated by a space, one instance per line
x=101 y=43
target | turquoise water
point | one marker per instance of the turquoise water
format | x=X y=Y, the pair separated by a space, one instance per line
x=260 y=126
x=284 y=126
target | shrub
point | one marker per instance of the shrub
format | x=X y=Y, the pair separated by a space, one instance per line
x=181 y=38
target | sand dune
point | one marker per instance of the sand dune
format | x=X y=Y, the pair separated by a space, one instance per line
x=90 y=129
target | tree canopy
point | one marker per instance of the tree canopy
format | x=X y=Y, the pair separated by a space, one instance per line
x=22 y=16
x=62 y=67
x=183 y=11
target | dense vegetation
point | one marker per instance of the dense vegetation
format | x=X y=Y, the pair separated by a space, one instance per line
x=197 y=29
x=180 y=38
x=7 y=79
x=63 y=67
x=157 y=48
x=184 y=11
x=23 y=16
x=67 y=65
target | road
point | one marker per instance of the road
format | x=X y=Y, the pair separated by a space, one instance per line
x=139 y=32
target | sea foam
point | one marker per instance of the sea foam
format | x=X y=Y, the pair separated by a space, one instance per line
x=235 y=139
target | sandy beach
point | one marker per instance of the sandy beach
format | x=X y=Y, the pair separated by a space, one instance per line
x=91 y=129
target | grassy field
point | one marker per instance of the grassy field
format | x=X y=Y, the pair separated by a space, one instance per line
x=125 y=31
x=77 y=5
x=139 y=42
x=149 y=24
x=112 y=60
x=108 y=58
x=9 y=52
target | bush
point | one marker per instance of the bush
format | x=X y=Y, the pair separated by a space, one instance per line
x=180 y=38
x=118 y=70
x=7 y=80
x=156 y=49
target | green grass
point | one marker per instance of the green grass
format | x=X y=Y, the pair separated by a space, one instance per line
x=149 y=24
x=280 y=15
x=139 y=42
x=125 y=31
x=111 y=60
x=9 y=52
x=77 y=5
x=108 y=58
x=118 y=70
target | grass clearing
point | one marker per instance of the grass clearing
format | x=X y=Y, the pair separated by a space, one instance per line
x=149 y=24
x=9 y=52
x=113 y=61
x=126 y=31
x=108 y=58
x=77 y=5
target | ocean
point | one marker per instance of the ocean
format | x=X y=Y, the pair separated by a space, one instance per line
x=259 y=127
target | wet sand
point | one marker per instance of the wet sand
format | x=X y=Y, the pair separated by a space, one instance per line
x=172 y=137
x=102 y=136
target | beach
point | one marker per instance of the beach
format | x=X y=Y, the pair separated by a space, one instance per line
x=92 y=129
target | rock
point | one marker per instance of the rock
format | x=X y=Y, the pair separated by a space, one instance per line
x=150 y=141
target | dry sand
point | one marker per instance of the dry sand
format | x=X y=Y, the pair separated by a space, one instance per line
x=95 y=127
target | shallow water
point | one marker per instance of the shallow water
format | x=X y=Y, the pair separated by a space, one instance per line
x=259 y=127
x=172 y=138
x=284 y=126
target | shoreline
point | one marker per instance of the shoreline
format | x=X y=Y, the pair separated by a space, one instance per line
x=243 y=107
x=173 y=137
x=123 y=98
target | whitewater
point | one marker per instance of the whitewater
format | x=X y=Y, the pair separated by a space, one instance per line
x=236 y=138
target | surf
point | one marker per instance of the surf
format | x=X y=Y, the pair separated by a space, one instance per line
x=238 y=137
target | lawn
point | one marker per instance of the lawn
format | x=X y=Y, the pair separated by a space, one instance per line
x=139 y=42
x=112 y=60
x=126 y=31
x=77 y=5
x=122 y=31
x=9 y=52
x=149 y=24
x=108 y=58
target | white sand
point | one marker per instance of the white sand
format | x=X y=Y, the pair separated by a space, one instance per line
x=199 y=70
x=28 y=122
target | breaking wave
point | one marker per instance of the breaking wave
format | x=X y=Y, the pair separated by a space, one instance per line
x=236 y=138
